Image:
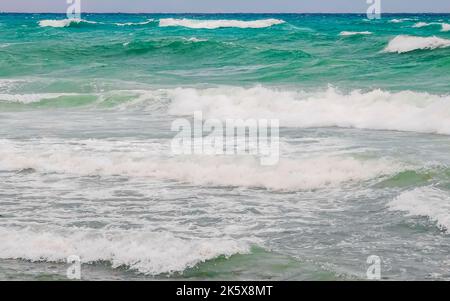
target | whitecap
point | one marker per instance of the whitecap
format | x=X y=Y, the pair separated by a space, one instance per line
x=148 y=252
x=353 y=33
x=426 y=201
x=404 y=43
x=213 y=24
x=63 y=22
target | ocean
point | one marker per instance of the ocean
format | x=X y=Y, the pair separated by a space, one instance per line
x=86 y=168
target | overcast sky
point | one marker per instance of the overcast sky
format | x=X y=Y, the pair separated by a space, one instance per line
x=177 y=6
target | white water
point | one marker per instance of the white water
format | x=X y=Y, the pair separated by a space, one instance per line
x=148 y=252
x=427 y=201
x=214 y=24
x=354 y=33
x=379 y=110
x=403 y=43
x=63 y=22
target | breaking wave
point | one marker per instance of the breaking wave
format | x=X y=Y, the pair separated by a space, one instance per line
x=96 y=158
x=64 y=22
x=354 y=33
x=378 y=110
x=427 y=201
x=214 y=24
x=148 y=252
x=403 y=43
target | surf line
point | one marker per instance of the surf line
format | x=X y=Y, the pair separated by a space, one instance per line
x=193 y=291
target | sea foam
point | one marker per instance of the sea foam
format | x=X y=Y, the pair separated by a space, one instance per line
x=403 y=43
x=427 y=201
x=445 y=27
x=148 y=252
x=354 y=33
x=135 y=23
x=63 y=22
x=136 y=161
x=377 y=109
x=213 y=24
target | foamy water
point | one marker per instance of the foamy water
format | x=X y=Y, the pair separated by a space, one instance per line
x=86 y=167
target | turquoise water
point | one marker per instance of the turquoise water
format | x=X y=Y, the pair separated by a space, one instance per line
x=86 y=108
x=305 y=51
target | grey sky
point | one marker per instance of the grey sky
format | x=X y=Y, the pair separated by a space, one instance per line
x=177 y=6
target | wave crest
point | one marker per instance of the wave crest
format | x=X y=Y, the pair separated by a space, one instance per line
x=404 y=43
x=377 y=109
x=214 y=24
x=239 y=171
x=150 y=253
x=426 y=201
x=63 y=23
x=354 y=33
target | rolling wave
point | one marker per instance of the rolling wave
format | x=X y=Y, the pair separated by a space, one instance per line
x=377 y=109
x=445 y=26
x=427 y=201
x=148 y=252
x=354 y=33
x=135 y=23
x=240 y=171
x=404 y=43
x=64 y=23
x=214 y=24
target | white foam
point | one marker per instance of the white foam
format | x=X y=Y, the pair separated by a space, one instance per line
x=422 y=24
x=377 y=109
x=195 y=40
x=92 y=158
x=135 y=23
x=403 y=43
x=426 y=201
x=148 y=252
x=63 y=22
x=213 y=24
x=445 y=27
x=31 y=98
x=354 y=33
x=400 y=20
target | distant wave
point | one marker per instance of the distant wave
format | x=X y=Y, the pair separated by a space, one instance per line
x=72 y=22
x=63 y=22
x=400 y=20
x=148 y=252
x=213 y=24
x=427 y=201
x=353 y=33
x=403 y=43
x=445 y=26
x=135 y=23
x=423 y=24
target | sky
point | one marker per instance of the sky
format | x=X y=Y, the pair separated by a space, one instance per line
x=227 y=6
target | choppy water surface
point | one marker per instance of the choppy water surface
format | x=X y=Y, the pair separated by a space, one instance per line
x=85 y=164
